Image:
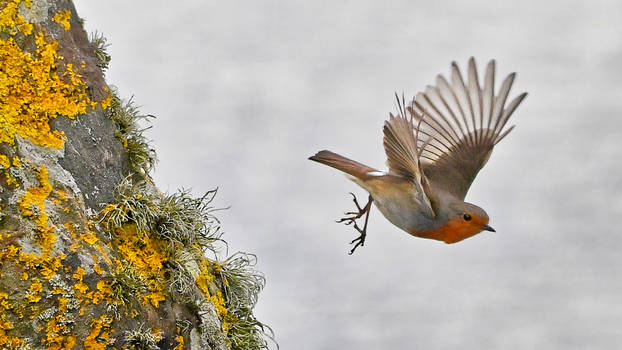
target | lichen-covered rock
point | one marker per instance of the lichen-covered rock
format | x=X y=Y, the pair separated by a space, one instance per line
x=92 y=255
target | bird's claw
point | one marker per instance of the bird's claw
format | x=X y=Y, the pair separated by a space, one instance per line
x=351 y=220
x=360 y=240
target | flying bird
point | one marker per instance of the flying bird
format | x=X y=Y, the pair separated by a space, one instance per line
x=435 y=147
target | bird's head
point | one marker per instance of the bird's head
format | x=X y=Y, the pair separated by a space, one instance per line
x=465 y=220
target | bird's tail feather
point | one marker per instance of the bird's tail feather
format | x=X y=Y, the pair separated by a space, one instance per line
x=342 y=163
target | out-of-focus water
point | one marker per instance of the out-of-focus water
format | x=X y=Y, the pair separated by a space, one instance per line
x=246 y=91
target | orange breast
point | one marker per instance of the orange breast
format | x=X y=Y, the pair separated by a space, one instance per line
x=452 y=232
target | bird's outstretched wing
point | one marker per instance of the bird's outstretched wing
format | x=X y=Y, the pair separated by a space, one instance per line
x=400 y=145
x=459 y=123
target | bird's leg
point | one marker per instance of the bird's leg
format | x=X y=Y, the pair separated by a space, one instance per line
x=354 y=215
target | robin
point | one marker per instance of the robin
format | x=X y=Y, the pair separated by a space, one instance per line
x=435 y=147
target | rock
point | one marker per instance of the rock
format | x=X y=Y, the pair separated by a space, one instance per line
x=92 y=255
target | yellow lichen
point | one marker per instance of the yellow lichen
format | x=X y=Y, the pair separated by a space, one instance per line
x=100 y=330
x=89 y=237
x=204 y=279
x=4 y=161
x=46 y=265
x=6 y=341
x=11 y=21
x=80 y=287
x=103 y=292
x=58 y=329
x=96 y=266
x=144 y=254
x=33 y=295
x=17 y=162
x=62 y=194
x=32 y=203
x=4 y=301
x=219 y=303
x=107 y=101
x=62 y=17
x=31 y=90
x=180 y=341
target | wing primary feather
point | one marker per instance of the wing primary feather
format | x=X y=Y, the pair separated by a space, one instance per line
x=472 y=96
x=445 y=134
x=489 y=91
x=499 y=138
x=475 y=93
x=427 y=96
x=443 y=88
x=437 y=112
x=458 y=83
x=507 y=112
x=452 y=94
x=459 y=121
x=500 y=101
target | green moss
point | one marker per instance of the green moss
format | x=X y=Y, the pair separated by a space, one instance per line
x=241 y=284
x=101 y=49
x=127 y=118
x=126 y=285
x=143 y=338
x=188 y=230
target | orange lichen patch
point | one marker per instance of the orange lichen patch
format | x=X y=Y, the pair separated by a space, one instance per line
x=6 y=341
x=96 y=266
x=89 y=237
x=146 y=257
x=142 y=252
x=100 y=331
x=5 y=162
x=180 y=340
x=33 y=295
x=107 y=101
x=62 y=17
x=80 y=287
x=31 y=90
x=104 y=253
x=10 y=253
x=11 y=21
x=157 y=334
x=219 y=303
x=154 y=298
x=208 y=270
x=4 y=301
x=32 y=203
x=58 y=329
x=76 y=240
x=47 y=238
x=103 y=292
x=204 y=279
x=61 y=194
x=46 y=265
x=17 y=162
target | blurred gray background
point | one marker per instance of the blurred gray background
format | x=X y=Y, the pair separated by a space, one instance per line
x=246 y=91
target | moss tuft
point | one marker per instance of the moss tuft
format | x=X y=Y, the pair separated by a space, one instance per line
x=241 y=284
x=127 y=118
x=101 y=49
x=143 y=338
x=187 y=230
x=187 y=221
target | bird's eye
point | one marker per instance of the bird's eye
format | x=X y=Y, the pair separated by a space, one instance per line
x=466 y=217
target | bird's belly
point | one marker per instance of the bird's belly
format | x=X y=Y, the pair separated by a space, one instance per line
x=403 y=215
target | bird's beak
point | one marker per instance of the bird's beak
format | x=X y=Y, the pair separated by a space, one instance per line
x=488 y=228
